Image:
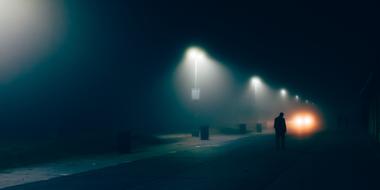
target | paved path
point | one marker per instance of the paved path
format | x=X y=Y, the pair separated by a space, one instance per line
x=326 y=161
x=50 y=170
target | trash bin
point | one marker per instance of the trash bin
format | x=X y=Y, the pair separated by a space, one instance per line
x=259 y=127
x=205 y=132
x=124 y=142
x=242 y=128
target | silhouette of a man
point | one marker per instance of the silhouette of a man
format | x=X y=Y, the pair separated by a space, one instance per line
x=280 y=128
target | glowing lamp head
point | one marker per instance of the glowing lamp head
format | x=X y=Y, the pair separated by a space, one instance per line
x=195 y=54
x=255 y=81
x=283 y=92
x=297 y=98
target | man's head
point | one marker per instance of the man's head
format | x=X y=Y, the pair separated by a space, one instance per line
x=281 y=114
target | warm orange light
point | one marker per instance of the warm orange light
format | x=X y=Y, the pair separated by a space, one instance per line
x=303 y=122
x=298 y=121
x=308 y=120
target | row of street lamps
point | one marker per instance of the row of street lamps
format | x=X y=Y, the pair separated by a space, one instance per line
x=256 y=82
x=198 y=55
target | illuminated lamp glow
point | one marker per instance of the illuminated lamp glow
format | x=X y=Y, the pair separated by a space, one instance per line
x=283 y=92
x=255 y=81
x=195 y=54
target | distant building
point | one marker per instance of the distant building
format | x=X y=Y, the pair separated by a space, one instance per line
x=370 y=95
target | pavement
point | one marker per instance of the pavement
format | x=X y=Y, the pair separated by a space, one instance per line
x=328 y=160
x=79 y=164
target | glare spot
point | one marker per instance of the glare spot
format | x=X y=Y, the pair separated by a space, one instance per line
x=195 y=54
x=283 y=92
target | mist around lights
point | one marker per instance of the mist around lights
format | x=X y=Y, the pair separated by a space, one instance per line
x=30 y=29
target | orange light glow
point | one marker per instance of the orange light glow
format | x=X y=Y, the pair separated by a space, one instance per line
x=303 y=122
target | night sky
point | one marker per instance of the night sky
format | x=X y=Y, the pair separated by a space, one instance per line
x=113 y=55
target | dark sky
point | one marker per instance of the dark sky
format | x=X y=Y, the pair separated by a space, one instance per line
x=325 y=50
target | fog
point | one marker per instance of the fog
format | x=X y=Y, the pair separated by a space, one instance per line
x=30 y=30
x=226 y=98
x=71 y=76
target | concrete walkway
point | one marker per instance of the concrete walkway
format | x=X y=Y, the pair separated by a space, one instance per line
x=325 y=161
x=46 y=171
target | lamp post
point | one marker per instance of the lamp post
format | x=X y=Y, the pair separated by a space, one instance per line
x=196 y=56
x=256 y=83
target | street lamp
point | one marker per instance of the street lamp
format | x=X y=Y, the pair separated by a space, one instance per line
x=196 y=55
x=297 y=98
x=255 y=82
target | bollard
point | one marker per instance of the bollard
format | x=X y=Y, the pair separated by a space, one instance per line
x=259 y=127
x=242 y=128
x=205 y=132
